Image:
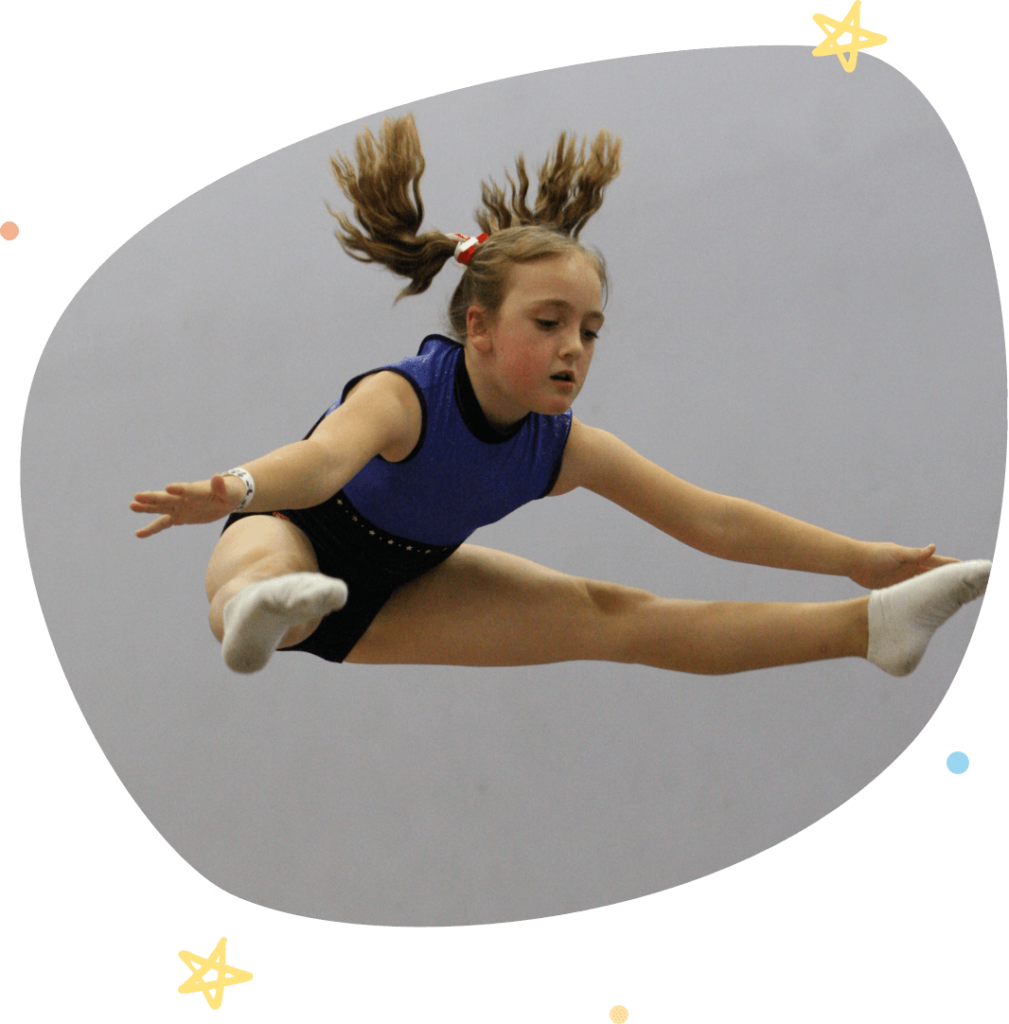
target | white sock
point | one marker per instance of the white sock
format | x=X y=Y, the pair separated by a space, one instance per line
x=258 y=616
x=902 y=618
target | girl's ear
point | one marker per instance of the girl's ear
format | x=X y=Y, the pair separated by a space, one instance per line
x=476 y=329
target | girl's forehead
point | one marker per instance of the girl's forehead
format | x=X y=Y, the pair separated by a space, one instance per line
x=556 y=263
x=567 y=272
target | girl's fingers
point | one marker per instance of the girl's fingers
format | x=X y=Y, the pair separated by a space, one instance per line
x=936 y=560
x=163 y=523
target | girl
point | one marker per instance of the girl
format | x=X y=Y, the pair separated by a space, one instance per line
x=349 y=544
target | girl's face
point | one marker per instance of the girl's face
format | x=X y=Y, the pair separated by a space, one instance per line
x=534 y=355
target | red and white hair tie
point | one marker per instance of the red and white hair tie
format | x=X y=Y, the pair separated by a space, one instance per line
x=467 y=246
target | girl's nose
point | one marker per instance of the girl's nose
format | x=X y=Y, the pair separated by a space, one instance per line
x=571 y=342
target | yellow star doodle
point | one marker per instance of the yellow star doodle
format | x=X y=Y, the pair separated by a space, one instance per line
x=861 y=38
x=199 y=965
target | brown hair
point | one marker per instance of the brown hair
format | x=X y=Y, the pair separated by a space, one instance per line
x=384 y=188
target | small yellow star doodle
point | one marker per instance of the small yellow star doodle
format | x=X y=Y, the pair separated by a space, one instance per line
x=861 y=38
x=225 y=975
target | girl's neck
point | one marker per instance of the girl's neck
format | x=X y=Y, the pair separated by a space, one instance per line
x=500 y=412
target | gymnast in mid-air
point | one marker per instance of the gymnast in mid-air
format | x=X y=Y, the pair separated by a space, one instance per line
x=351 y=543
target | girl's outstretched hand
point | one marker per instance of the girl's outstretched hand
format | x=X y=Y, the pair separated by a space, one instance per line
x=178 y=504
x=883 y=565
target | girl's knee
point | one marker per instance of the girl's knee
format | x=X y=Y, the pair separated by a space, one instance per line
x=256 y=548
x=613 y=600
x=221 y=589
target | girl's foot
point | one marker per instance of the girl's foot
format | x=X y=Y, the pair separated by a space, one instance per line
x=902 y=618
x=258 y=616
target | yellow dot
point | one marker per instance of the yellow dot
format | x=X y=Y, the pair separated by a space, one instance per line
x=9 y=230
x=618 y=1014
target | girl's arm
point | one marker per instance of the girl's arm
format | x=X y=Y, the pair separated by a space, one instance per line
x=714 y=523
x=381 y=416
x=597 y=461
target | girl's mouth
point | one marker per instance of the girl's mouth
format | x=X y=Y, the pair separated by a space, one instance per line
x=566 y=376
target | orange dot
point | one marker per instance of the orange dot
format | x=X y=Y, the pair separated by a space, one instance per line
x=9 y=230
x=618 y=1014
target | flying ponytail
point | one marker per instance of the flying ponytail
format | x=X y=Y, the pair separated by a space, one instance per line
x=383 y=185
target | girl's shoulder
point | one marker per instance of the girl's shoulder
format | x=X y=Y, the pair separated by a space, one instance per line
x=438 y=345
x=381 y=406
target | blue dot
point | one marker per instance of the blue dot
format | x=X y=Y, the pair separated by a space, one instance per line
x=957 y=762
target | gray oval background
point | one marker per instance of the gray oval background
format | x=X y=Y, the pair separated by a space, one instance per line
x=803 y=312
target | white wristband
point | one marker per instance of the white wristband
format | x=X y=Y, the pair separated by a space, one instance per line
x=250 y=485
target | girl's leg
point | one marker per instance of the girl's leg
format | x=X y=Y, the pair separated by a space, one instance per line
x=483 y=607
x=252 y=549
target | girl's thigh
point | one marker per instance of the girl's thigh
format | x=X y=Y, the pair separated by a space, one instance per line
x=482 y=607
x=259 y=546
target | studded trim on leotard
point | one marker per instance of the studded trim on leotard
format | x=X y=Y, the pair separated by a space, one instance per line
x=343 y=507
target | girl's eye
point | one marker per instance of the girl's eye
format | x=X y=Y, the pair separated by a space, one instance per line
x=549 y=324
x=589 y=335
